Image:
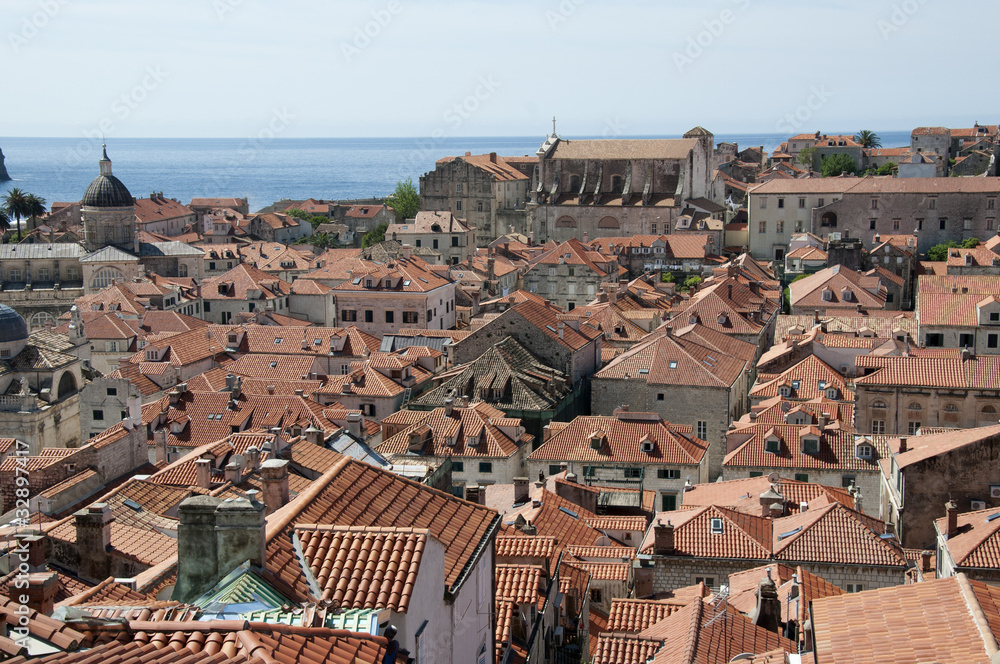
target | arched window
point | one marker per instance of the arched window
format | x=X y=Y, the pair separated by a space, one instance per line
x=39 y=319
x=914 y=406
x=987 y=416
x=182 y=270
x=574 y=183
x=565 y=222
x=608 y=222
x=106 y=277
x=880 y=405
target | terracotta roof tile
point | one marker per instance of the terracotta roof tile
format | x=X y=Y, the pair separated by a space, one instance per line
x=524 y=546
x=635 y=615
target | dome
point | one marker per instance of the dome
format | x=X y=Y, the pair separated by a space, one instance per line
x=107 y=191
x=12 y=326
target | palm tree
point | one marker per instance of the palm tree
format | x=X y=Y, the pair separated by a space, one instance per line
x=36 y=208
x=868 y=139
x=15 y=204
x=4 y=221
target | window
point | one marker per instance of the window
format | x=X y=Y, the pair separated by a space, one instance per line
x=98 y=414
x=208 y=307
x=935 y=340
x=479 y=206
x=943 y=223
x=762 y=227
x=781 y=203
x=390 y=316
x=652 y=229
x=486 y=466
x=418 y=242
x=409 y=316
x=554 y=469
x=111 y=346
x=967 y=224
x=572 y=272
x=13 y=275
x=772 y=445
x=702 y=429
x=994 y=316
x=458 y=207
x=821 y=202
x=989 y=203
x=932 y=203
x=104 y=278
x=965 y=341
x=810 y=446
x=756 y=473
x=779 y=227
x=369 y=316
x=871 y=224
x=763 y=203
x=802 y=203
x=633 y=473
x=801 y=477
x=920 y=224
x=458 y=188
x=855 y=587
x=595 y=595
x=991 y=341
x=878 y=427
x=368 y=409
x=847 y=480
x=348 y=315
x=430 y=315
x=668 y=502
x=895 y=225
x=659 y=395
x=912 y=427
x=668 y=473
x=112 y=391
x=211 y=266
x=709 y=581
x=864 y=451
x=874 y=203
x=715 y=526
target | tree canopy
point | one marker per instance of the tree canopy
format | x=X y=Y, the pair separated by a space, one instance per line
x=837 y=164
x=404 y=200
x=17 y=205
x=868 y=139
x=314 y=219
x=375 y=236
x=939 y=252
x=805 y=157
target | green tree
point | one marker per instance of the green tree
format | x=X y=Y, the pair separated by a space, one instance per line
x=15 y=204
x=375 y=236
x=887 y=168
x=691 y=282
x=667 y=277
x=36 y=208
x=868 y=139
x=939 y=252
x=837 y=164
x=4 y=220
x=404 y=201
x=805 y=157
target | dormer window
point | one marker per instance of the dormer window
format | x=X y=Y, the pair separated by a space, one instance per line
x=810 y=445
x=831 y=393
x=648 y=444
x=827 y=295
x=715 y=526
x=795 y=384
x=772 y=445
x=864 y=451
x=785 y=391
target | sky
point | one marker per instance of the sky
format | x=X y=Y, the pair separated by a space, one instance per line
x=240 y=68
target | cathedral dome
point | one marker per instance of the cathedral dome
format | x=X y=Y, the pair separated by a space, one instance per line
x=12 y=326
x=107 y=191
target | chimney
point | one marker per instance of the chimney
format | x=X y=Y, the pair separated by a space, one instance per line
x=93 y=537
x=472 y=493
x=175 y=396
x=520 y=490
x=562 y=327
x=37 y=552
x=902 y=444
x=663 y=539
x=768 y=500
x=449 y=404
x=966 y=354
x=203 y=473
x=234 y=473
x=407 y=252
x=767 y=613
x=355 y=425
x=315 y=436
x=951 y=507
x=160 y=445
x=214 y=537
x=41 y=591
x=253 y=458
x=925 y=561
x=493 y=157
x=529 y=529
x=571 y=478
x=274 y=477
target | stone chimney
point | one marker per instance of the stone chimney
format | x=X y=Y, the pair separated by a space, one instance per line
x=767 y=613
x=203 y=473
x=41 y=591
x=768 y=499
x=234 y=474
x=37 y=546
x=520 y=490
x=663 y=539
x=449 y=404
x=315 y=436
x=93 y=538
x=951 y=507
x=214 y=537
x=902 y=444
x=160 y=445
x=274 y=477
x=925 y=561
x=355 y=425
x=253 y=458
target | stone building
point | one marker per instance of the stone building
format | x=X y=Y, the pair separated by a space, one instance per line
x=689 y=376
x=452 y=239
x=571 y=274
x=618 y=186
x=839 y=289
x=488 y=191
x=163 y=216
x=967 y=543
x=925 y=472
x=780 y=208
x=108 y=211
x=899 y=395
x=959 y=312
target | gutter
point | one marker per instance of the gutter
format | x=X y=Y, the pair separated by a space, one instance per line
x=477 y=554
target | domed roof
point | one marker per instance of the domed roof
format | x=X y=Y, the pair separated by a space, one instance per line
x=107 y=191
x=12 y=326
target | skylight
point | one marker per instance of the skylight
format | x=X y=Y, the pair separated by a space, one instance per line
x=789 y=533
x=991 y=517
x=278 y=340
x=274 y=364
x=131 y=504
x=673 y=364
x=644 y=371
x=356 y=281
x=406 y=283
x=570 y=512
x=422 y=279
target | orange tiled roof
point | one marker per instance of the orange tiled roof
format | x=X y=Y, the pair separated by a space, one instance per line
x=534 y=546
x=837 y=448
x=743 y=495
x=803 y=381
x=635 y=615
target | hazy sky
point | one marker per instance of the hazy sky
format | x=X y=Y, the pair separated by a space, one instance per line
x=236 y=68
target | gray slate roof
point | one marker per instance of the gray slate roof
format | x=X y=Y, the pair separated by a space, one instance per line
x=171 y=248
x=109 y=254
x=41 y=251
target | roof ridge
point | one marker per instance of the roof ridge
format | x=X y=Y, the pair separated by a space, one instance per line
x=978 y=616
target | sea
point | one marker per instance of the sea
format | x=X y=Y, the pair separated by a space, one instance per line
x=266 y=170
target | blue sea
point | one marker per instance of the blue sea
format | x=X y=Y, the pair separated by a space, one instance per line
x=266 y=170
